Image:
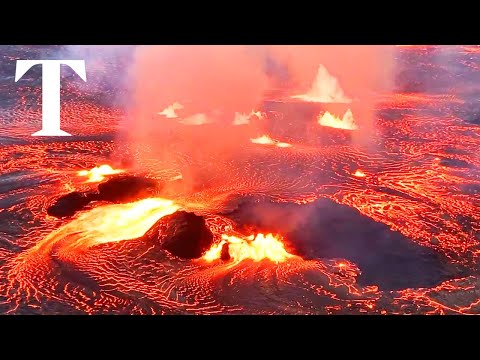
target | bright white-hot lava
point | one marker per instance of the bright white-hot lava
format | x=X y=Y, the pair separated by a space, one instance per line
x=325 y=89
x=266 y=140
x=345 y=123
x=256 y=248
x=243 y=119
x=170 y=111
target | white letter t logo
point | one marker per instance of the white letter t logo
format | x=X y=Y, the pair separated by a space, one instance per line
x=50 y=90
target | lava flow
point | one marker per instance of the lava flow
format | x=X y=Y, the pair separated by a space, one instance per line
x=266 y=140
x=208 y=212
x=117 y=222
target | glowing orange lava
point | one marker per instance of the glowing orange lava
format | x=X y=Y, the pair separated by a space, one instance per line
x=266 y=140
x=325 y=89
x=170 y=111
x=471 y=49
x=359 y=173
x=420 y=180
x=97 y=174
x=256 y=248
x=243 y=119
x=197 y=119
x=116 y=222
x=345 y=123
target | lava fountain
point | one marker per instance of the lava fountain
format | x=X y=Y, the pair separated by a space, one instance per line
x=256 y=248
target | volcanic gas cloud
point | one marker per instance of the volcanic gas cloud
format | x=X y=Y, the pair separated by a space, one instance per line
x=197 y=92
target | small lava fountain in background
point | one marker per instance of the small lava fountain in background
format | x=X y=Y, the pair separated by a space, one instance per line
x=347 y=122
x=325 y=89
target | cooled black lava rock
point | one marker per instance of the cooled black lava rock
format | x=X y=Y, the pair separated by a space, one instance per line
x=69 y=204
x=127 y=188
x=454 y=163
x=182 y=234
x=225 y=254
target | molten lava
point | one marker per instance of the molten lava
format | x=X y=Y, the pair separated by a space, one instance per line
x=197 y=119
x=266 y=140
x=325 y=89
x=243 y=119
x=258 y=114
x=99 y=173
x=256 y=248
x=170 y=111
x=345 y=123
x=359 y=173
x=112 y=223
x=421 y=179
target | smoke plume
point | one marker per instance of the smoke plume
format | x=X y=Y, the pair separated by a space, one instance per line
x=205 y=95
